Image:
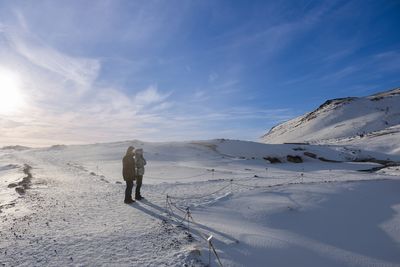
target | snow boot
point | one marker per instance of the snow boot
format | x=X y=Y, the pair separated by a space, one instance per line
x=129 y=201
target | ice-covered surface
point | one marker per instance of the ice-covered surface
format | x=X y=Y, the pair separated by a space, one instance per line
x=371 y=122
x=259 y=213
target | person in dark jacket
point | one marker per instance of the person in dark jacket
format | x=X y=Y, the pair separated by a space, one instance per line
x=129 y=173
x=140 y=163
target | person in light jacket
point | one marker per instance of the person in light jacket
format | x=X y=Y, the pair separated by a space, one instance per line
x=129 y=173
x=140 y=163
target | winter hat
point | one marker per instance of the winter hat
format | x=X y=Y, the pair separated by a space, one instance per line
x=139 y=151
x=130 y=150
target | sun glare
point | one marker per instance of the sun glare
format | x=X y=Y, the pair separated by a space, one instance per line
x=10 y=91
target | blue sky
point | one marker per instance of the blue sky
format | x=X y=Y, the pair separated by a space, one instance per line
x=98 y=71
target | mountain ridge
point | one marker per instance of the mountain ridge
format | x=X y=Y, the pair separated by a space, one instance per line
x=341 y=120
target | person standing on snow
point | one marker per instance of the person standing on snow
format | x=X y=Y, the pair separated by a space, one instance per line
x=129 y=173
x=140 y=163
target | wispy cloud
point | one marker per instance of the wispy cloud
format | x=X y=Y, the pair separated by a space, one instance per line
x=340 y=74
x=69 y=105
x=80 y=71
x=271 y=38
x=388 y=61
x=114 y=70
x=149 y=96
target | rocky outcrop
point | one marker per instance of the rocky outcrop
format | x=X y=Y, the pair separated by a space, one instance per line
x=21 y=186
x=294 y=159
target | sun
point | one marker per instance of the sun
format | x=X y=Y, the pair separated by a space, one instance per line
x=10 y=91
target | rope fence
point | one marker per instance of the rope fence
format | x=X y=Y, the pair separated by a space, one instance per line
x=180 y=178
x=181 y=214
x=185 y=215
x=189 y=218
x=201 y=196
x=174 y=210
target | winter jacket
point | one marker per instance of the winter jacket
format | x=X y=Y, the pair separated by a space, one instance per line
x=140 y=162
x=128 y=168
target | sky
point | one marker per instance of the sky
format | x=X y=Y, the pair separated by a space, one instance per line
x=85 y=71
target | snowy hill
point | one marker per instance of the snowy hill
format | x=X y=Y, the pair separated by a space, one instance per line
x=371 y=121
x=264 y=204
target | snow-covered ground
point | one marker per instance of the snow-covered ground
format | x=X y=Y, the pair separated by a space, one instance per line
x=321 y=212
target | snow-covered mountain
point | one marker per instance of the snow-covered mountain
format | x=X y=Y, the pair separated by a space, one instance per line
x=372 y=121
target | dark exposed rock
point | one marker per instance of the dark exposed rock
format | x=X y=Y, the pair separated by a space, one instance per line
x=294 y=159
x=384 y=164
x=375 y=169
x=20 y=190
x=309 y=154
x=328 y=160
x=26 y=181
x=379 y=161
x=382 y=95
x=272 y=160
x=334 y=103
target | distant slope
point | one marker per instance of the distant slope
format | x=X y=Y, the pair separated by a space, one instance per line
x=350 y=120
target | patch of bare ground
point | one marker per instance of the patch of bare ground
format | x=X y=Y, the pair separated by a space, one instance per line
x=25 y=183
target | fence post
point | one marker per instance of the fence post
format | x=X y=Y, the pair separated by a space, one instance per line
x=188 y=218
x=209 y=249
x=166 y=205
